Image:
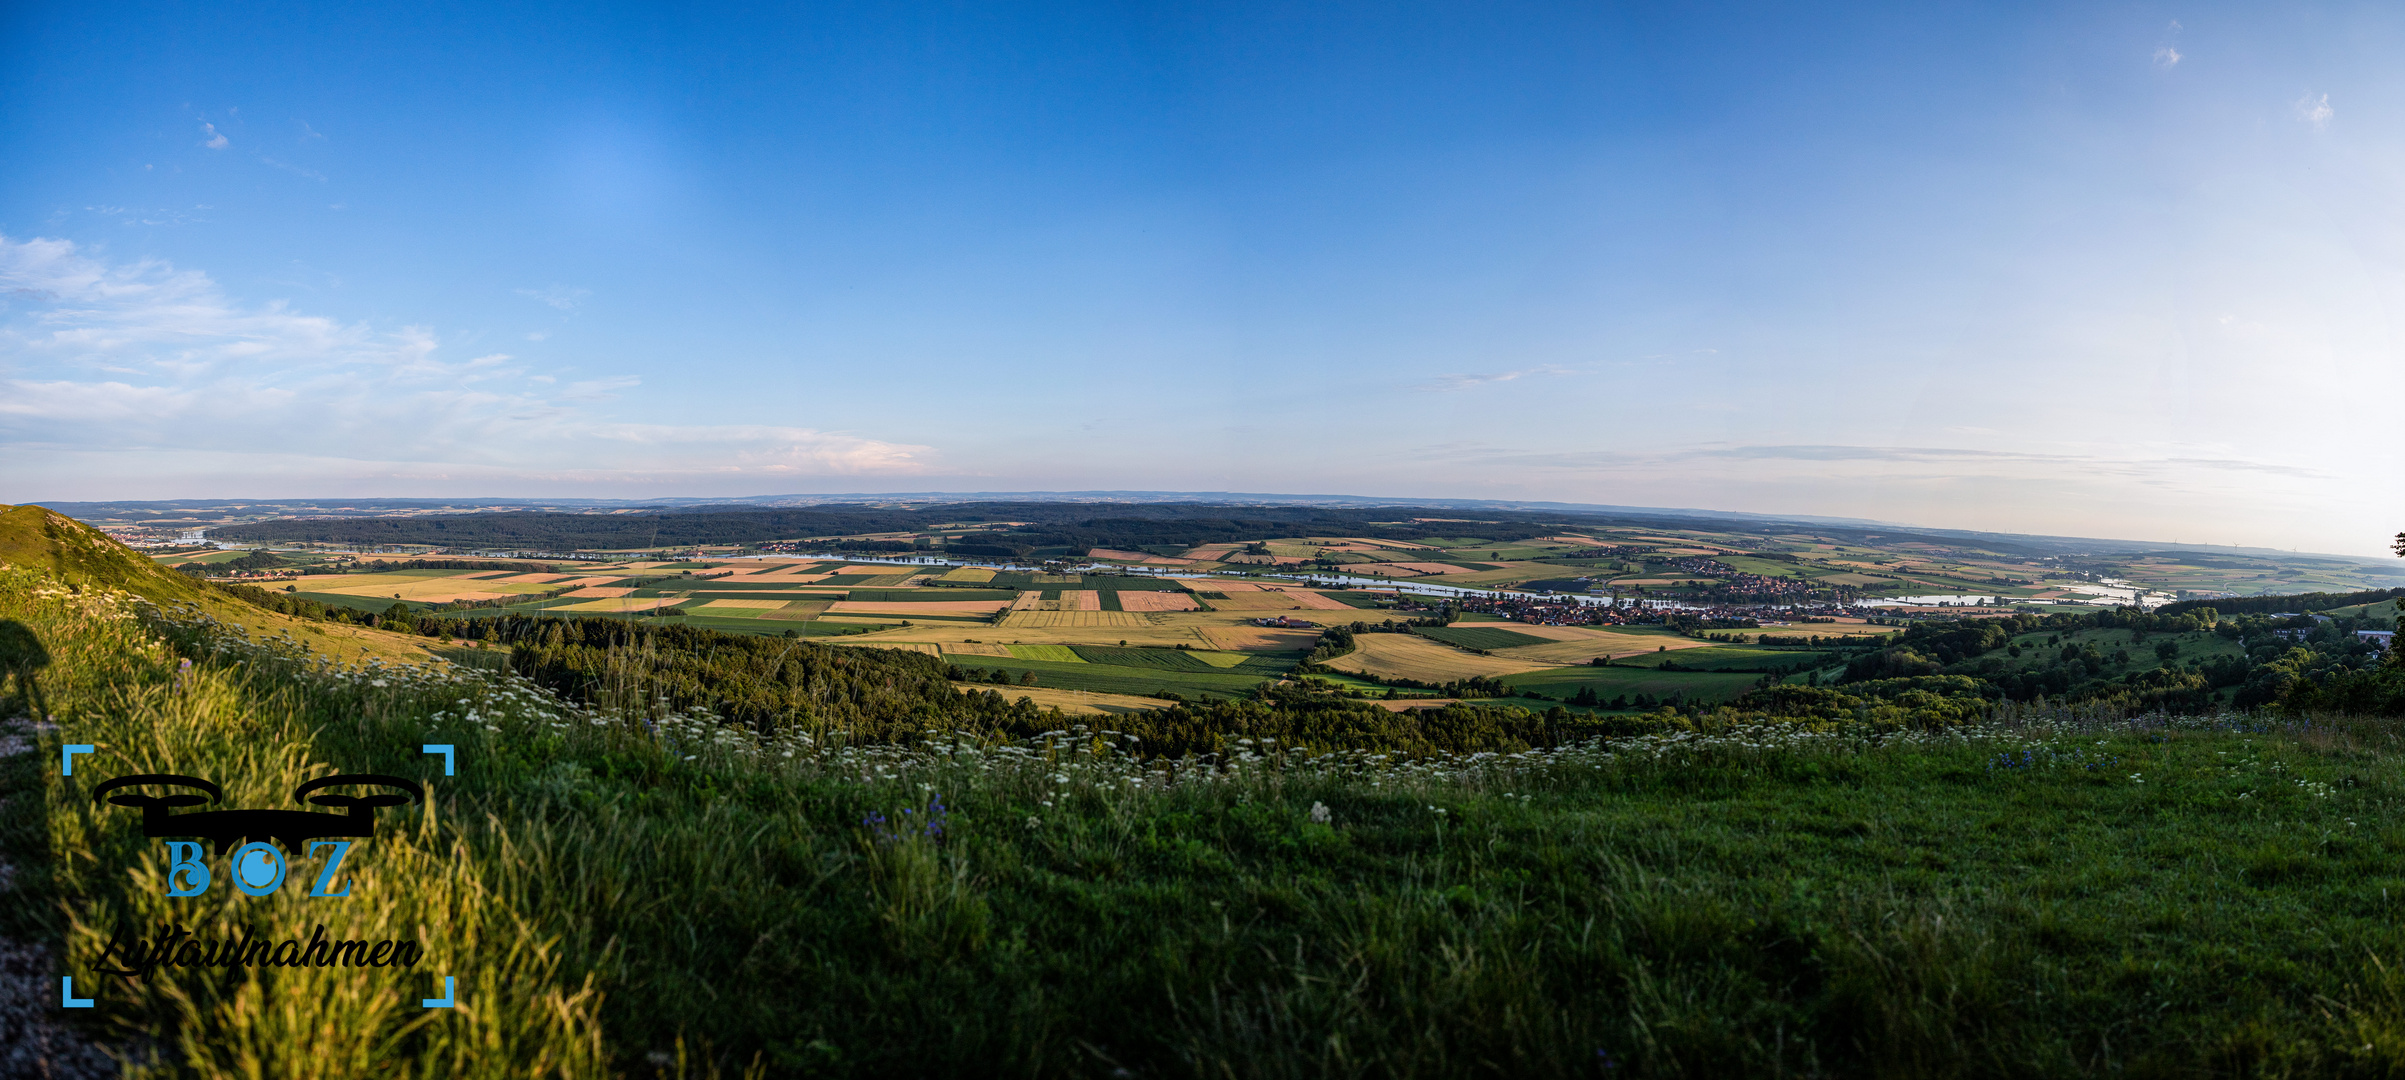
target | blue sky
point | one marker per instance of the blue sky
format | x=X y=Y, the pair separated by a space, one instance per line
x=2125 y=271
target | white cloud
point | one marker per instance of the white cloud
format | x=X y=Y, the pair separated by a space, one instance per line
x=1470 y=381
x=307 y=132
x=111 y=368
x=2315 y=110
x=558 y=296
x=2166 y=57
x=537 y=335
x=215 y=140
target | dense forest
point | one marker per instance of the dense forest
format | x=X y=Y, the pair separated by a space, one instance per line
x=2298 y=602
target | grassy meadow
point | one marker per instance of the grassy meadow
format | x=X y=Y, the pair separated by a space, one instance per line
x=621 y=890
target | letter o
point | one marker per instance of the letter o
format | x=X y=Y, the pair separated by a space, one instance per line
x=252 y=865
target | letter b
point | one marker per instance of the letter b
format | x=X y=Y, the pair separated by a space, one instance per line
x=186 y=874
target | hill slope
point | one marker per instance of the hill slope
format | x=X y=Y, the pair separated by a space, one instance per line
x=43 y=539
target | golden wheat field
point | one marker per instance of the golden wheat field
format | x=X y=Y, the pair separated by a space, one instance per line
x=1410 y=656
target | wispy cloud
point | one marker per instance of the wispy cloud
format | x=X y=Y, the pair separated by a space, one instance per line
x=140 y=361
x=1471 y=381
x=2315 y=110
x=558 y=296
x=307 y=132
x=216 y=139
x=2166 y=57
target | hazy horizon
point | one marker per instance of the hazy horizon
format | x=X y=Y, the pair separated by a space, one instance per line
x=2126 y=273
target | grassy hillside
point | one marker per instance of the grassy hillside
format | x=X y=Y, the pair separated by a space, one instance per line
x=79 y=556
x=627 y=888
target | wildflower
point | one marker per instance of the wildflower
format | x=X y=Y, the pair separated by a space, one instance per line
x=1320 y=814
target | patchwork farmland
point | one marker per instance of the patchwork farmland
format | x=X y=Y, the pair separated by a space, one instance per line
x=1222 y=617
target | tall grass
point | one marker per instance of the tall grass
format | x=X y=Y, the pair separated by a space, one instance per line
x=631 y=889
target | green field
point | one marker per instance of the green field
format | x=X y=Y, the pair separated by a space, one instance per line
x=1732 y=658
x=1187 y=660
x=1059 y=654
x=1697 y=687
x=1479 y=637
x=1117 y=679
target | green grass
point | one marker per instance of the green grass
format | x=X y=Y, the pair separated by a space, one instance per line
x=1703 y=687
x=1060 y=654
x=1479 y=637
x=2208 y=901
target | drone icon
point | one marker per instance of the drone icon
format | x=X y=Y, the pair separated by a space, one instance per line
x=291 y=828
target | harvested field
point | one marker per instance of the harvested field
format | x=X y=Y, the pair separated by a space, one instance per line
x=1580 y=650
x=904 y=646
x=972 y=648
x=1082 y=600
x=534 y=579
x=874 y=571
x=1255 y=601
x=1314 y=601
x=1261 y=638
x=624 y=603
x=1040 y=619
x=1478 y=637
x=971 y=574
x=1028 y=600
x=1410 y=656
x=596 y=593
x=1218 y=585
x=913 y=607
x=1157 y=601
x=420 y=589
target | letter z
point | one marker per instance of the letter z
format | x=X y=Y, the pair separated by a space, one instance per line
x=326 y=877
